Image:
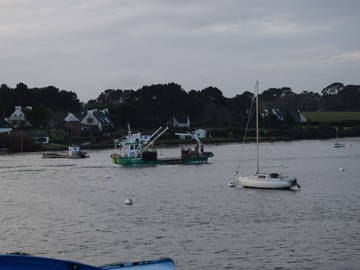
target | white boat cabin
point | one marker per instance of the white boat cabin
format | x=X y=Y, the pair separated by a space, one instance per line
x=132 y=145
x=269 y=176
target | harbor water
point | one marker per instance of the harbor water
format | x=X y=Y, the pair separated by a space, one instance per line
x=75 y=209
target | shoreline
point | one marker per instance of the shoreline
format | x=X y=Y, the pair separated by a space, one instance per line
x=168 y=142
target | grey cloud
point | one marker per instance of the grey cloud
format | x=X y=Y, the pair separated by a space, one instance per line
x=90 y=45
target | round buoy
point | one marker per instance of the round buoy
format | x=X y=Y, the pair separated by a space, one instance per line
x=341 y=169
x=128 y=202
x=107 y=176
x=232 y=184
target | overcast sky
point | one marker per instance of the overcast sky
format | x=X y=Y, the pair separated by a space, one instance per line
x=87 y=46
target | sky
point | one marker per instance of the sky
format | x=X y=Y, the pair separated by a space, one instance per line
x=88 y=46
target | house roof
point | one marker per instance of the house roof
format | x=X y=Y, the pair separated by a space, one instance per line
x=71 y=118
x=295 y=115
x=102 y=118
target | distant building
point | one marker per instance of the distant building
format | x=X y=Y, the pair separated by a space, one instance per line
x=4 y=126
x=18 y=118
x=296 y=116
x=99 y=119
x=180 y=121
x=201 y=133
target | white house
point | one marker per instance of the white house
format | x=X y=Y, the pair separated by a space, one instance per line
x=98 y=119
x=18 y=118
x=17 y=115
x=180 y=121
x=71 y=118
x=296 y=116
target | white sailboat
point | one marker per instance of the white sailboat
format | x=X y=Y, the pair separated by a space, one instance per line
x=265 y=180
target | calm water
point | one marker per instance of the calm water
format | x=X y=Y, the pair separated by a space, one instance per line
x=68 y=209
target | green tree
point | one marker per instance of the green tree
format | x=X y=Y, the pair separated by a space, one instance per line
x=38 y=117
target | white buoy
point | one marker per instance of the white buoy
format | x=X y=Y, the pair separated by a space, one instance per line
x=107 y=176
x=232 y=184
x=341 y=169
x=128 y=202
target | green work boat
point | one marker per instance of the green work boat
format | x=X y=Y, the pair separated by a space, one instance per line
x=135 y=149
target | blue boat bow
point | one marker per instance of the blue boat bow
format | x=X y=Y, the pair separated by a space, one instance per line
x=20 y=262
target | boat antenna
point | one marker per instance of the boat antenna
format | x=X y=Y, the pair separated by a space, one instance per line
x=257 y=127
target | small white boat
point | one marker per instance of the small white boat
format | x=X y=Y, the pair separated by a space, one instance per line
x=265 y=180
x=73 y=152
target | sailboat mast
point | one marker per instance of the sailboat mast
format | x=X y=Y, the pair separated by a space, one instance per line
x=257 y=127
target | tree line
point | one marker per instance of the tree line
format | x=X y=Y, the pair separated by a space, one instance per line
x=155 y=104
x=209 y=107
x=50 y=97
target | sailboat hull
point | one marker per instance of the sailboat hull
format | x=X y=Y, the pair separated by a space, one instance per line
x=267 y=183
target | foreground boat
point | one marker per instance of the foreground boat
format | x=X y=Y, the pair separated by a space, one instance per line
x=265 y=180
x=136 y=149
x=73 y=152
x=19 y=262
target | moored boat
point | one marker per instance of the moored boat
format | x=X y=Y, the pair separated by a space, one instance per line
x=73 y=152
x=265 y=180
x=136 y=149
x=269 y=181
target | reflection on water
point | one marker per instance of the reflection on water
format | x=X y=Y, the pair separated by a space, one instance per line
x=74 y=209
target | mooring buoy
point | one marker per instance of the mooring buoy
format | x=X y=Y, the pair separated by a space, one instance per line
x=128 y=202
x=232 y=184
